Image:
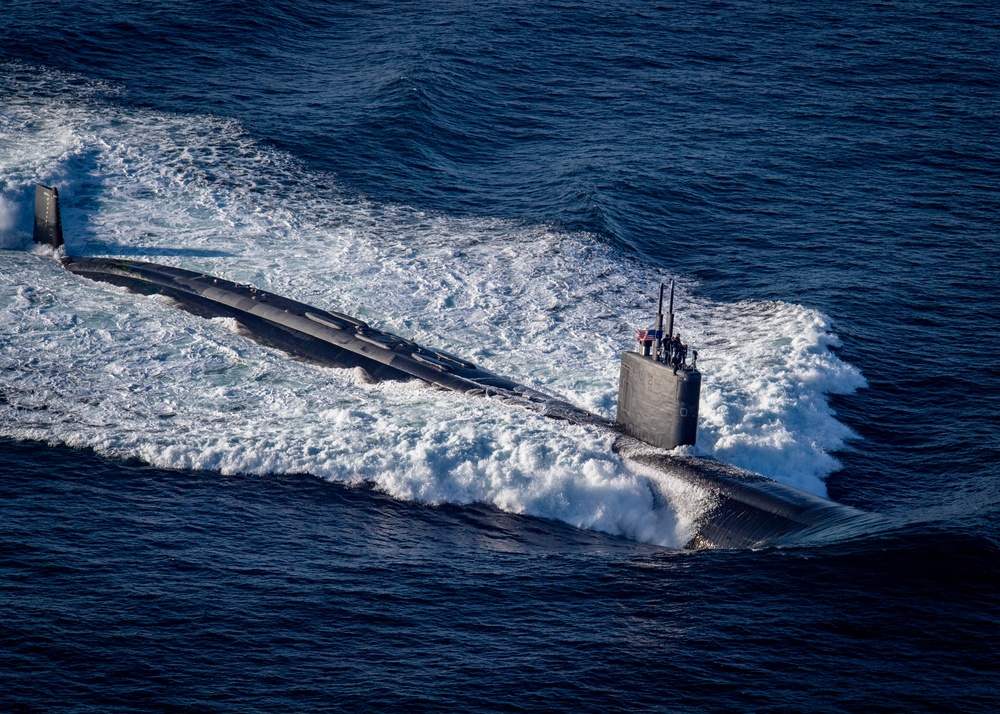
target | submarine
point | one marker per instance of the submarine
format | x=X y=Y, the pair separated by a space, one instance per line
x=659 y=389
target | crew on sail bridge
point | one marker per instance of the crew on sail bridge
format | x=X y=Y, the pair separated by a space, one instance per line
x=675 y=353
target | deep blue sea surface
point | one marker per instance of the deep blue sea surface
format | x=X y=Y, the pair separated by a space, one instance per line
x=192 y=522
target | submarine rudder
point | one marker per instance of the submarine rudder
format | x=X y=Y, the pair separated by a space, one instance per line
x=48 y=223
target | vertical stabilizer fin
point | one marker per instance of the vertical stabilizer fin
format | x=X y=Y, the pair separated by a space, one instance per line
x=48 y=224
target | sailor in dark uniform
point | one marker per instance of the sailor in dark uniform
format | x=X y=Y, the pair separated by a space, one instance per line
x=675 y=352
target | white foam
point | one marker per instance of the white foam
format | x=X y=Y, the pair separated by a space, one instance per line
x=93 y=366
x=10 y=237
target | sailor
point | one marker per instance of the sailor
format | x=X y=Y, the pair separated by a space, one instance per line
x=675 y=352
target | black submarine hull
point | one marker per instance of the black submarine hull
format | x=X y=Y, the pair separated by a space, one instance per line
x=321 y=336
x=747 y=511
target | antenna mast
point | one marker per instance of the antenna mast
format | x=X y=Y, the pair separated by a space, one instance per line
x=670 y=313
x=659 y=326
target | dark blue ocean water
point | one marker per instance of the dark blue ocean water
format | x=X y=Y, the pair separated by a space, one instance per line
x=841 y=158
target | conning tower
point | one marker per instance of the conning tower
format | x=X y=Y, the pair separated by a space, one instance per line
x=658 y=390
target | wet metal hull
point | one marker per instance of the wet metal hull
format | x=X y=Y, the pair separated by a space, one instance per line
x=322 y=336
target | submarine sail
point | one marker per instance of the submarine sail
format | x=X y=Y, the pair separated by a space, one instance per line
x=658 y=391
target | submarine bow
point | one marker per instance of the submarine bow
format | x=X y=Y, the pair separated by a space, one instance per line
x=748 y=510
